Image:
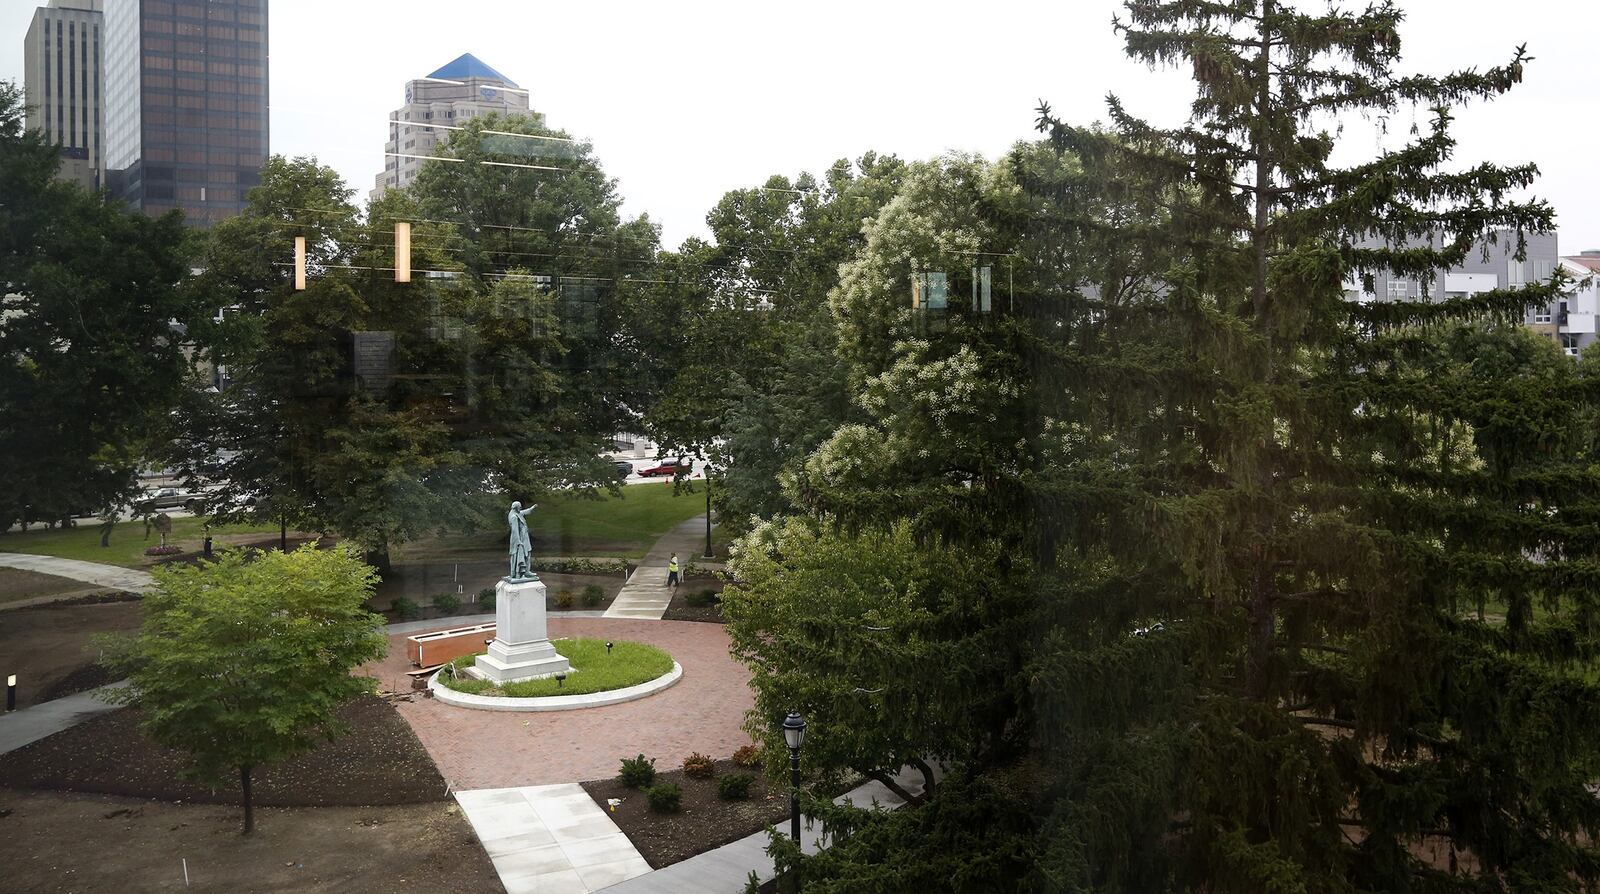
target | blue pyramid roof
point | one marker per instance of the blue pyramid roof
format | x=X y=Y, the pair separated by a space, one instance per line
x=469 y=66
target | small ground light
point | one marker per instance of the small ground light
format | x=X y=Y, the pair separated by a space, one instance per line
x=560 y=678
x=608 y=648
x=11 y=693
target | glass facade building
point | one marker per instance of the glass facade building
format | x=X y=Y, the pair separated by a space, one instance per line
x=186 y=104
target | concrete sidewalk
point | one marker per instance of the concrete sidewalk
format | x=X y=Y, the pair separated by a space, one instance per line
x=726 y=869
x=48 y=718
x=646 y=595
x=550 y=839
x=112 y=576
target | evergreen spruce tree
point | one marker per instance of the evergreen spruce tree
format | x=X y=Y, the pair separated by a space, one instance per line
x=1271 y=671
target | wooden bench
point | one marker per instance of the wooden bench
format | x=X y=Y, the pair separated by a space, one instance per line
x=441 y=646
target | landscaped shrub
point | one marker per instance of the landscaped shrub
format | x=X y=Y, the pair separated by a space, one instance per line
x=405 y=609
x=698 y=766
x=171 y=549
x=702 y=599
x=747 y=756
x=582 y=566
x=735 y=786
x=592 y=595
x=637 y=772
x=664 y=798
x=564 y=599
x=447 y=603
x=486 y=598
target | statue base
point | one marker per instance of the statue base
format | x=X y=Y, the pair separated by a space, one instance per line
x=521 y=649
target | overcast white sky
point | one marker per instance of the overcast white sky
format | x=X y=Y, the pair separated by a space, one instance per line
x=686 y=101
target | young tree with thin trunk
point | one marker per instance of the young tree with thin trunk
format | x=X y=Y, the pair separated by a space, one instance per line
x=241 y=664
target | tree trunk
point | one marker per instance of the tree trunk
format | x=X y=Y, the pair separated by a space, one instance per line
x=929 y=783
x=105 y=533
x=283 y=534
x=891 y=785
x=249 y=805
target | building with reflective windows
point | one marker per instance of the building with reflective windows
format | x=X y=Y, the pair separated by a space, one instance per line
x=435 y=105
x=186 y=104
x=63 y=85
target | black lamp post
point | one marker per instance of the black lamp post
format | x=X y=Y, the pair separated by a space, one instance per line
x=11 y=693
x=794 y=735
x=708 y=554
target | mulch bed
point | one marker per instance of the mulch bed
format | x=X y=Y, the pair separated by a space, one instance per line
x=86 y=599
x=680 y=608
x=80 y=679
x=379 y=762
x=705 y=821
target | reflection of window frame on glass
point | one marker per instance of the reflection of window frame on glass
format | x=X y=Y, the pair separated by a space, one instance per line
x=982 y=289
x=1399 y=289
x=930 y=290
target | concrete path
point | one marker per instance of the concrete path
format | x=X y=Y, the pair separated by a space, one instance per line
x=646 y=595
x=550 y=839
x=111 y=576
x=724 y=870
x=31 y=724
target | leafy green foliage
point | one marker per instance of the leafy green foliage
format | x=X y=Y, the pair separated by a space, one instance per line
x=593 y=594
x=405 y=609
x=91 y=345
x=735 y=786
x=447 y=603
x=666 y=797
x=747 y=756
x=637 y=772
x=563 y=599
x=243 y=663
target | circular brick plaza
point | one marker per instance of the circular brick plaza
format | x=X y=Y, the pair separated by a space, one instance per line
x=493 y=749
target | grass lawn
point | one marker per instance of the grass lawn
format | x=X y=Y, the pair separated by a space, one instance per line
x=127 y=540
x=624 y=526
x=629 y=664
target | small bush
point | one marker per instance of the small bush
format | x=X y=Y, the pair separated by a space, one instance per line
x=698 y=766
x=747 y=756
x=702 y=599
x=592 y=595
x=405 y=609
x=564 y=599
x=735 y=786
x=447 y=603
x=637 y=772
x=486 y=598
x=171 y=549
x=665 y=798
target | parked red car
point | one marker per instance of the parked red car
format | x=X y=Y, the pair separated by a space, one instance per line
x=670 y=468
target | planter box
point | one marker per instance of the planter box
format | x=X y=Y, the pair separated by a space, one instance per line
x=440 y=646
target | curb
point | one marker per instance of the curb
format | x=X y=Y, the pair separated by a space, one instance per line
x=555 y=702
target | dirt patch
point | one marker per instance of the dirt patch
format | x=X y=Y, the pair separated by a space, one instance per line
x=17 y=584
x=696 y=600
x=81 y=679
x=705 y=820
x=44 y=645
x=379 y=762
x=103 y=597
x=57 y=841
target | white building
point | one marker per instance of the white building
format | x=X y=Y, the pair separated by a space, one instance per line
x=63 y=85
x=1578 y=312
x=435 y=105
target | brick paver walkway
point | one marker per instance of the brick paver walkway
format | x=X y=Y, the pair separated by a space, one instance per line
x=498 y=749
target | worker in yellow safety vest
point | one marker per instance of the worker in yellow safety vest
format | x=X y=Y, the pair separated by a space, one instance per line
x=672 y=572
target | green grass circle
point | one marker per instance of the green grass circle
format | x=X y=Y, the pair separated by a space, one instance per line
x=629 y=664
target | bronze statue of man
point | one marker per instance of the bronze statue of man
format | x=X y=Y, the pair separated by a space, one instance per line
x=521 y=542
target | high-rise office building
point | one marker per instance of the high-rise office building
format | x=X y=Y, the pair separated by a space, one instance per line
x=436 y=104
x=63 y=85
x=186 y=104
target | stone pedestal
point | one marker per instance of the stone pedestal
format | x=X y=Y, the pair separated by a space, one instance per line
x=521 y=649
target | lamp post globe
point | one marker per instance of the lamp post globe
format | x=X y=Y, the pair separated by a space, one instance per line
x=794 y=731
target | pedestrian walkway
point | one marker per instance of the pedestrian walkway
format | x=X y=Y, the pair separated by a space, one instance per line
x=726 y=869
x=19 y=728
x=646 y=595
x=550 y=839
x=111 y=576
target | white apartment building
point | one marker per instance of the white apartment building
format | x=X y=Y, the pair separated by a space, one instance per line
x=445 y=99
x=63 y=85
x=1577 y=314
